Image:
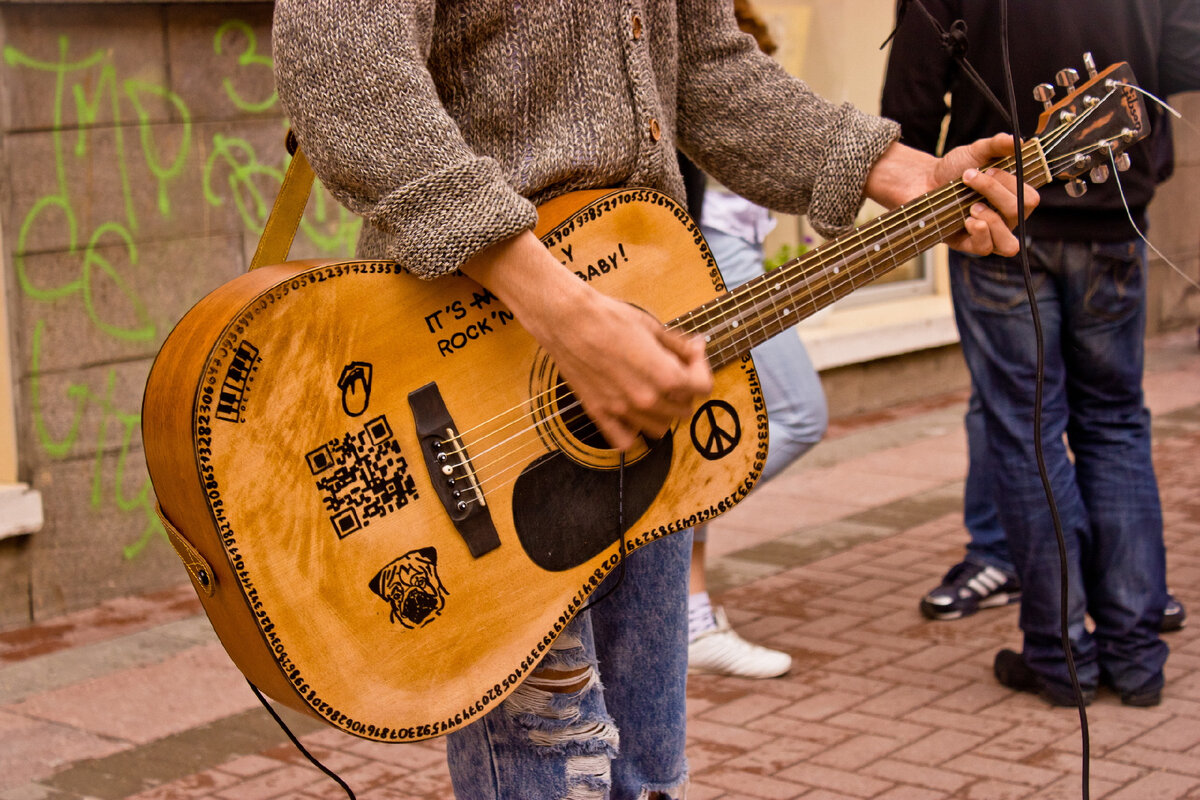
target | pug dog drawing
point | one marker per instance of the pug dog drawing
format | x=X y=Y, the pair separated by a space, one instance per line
x=411 y=585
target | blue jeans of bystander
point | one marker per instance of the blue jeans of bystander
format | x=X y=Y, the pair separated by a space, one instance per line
x=1091 y=300
x=987 y=545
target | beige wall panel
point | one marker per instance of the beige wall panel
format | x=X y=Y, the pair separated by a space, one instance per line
x=104 y=543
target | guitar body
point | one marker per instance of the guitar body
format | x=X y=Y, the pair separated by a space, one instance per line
x=386 y=500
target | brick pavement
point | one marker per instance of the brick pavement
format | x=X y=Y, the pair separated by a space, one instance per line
x=134 y=699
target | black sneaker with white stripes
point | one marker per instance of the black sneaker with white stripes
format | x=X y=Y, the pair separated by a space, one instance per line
x=969 y=587
x=1174 y=615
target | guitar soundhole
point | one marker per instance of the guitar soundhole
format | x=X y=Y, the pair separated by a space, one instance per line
x=565 y=428
x=575 y=420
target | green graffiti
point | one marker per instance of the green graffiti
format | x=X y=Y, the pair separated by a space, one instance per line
x=239 y=157
x=164 y=174
x=87 y=402
x=121 y=120
x=243 y=171
x=77 y=394
x=250 y=57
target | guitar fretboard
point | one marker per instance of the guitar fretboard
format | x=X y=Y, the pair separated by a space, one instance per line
x=770 y=304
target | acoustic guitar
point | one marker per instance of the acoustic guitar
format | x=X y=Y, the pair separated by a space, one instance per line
x=389 y=502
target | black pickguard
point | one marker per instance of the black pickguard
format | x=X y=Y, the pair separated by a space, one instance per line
x=566 y=514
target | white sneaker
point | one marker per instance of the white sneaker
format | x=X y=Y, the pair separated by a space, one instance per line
x=721 y=651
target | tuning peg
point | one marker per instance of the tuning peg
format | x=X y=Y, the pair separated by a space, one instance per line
x=1090 y=64
x=1044 y=94
x=1067 y=78
x=1123 y=162
x=1099 y=173
x=1076 y=188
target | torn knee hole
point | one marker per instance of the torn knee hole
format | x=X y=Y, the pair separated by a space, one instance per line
x=553 y=693
x=560 y=681
x=591 y=743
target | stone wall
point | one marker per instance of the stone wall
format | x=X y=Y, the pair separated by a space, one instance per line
x=142 y=148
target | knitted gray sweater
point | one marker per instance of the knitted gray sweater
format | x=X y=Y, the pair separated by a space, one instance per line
x=443 y=123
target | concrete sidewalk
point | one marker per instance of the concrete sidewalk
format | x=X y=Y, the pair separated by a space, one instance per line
x=136 y=699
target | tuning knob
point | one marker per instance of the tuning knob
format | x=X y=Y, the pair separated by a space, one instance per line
x=1123 y=162
x=1099 y=173
x=1067 y=78
x=1044 y=94
x=1090 y=64
x=1076 y=188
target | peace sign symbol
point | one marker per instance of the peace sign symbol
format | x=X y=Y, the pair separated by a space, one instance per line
x=716 y=429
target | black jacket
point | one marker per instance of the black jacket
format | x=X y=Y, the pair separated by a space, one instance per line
x=1159 y=38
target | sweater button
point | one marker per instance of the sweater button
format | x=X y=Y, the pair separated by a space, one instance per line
x=655 y=130
x=637 y=26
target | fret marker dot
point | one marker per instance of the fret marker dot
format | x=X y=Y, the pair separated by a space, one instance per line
x=876 y=248
x=921 y=224
x=736 y=323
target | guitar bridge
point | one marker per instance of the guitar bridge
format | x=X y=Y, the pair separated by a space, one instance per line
x=451 y=472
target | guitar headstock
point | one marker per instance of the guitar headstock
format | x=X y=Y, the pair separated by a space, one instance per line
x=1102 y=116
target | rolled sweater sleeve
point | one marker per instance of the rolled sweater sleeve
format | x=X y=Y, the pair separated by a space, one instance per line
x=352 y=78
x=764 y=133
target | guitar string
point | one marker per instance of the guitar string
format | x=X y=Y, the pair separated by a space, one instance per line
x=830 y=287
x=739 y=303
x=1006 y=163
x=721 y=306
x=893 y=249
x=505 y=474
x=1186 y=277
x=542 y=399
x=773 y=294
x=866 y=235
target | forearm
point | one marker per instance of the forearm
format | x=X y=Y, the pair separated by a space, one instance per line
x=899 y=175
x=629 y=372
x=535 y=287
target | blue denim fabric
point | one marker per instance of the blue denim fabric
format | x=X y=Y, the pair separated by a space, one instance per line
x=987 y=545
x=796 y=412
x=620 y=735
x=1091 y=299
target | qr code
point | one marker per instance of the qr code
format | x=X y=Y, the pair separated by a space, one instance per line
x=362 y=476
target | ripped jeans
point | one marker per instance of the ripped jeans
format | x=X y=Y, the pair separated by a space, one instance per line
x=603 y=715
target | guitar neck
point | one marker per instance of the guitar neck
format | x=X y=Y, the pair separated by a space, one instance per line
x=774 y=302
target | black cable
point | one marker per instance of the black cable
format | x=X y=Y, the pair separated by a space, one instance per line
x=621 y=546
x=1039 y=379
x=955 y=43
x=303 y=751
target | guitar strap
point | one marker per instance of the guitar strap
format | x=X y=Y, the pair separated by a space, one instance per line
x=284 y=220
